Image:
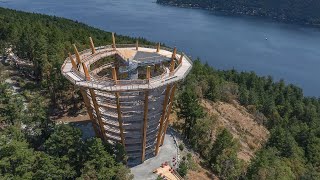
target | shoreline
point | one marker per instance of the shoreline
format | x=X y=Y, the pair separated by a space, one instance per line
x=243 y=14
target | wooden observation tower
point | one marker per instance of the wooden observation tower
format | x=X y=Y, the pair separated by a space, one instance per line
x=128 y=90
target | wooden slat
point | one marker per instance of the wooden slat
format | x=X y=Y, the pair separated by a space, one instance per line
x=93 y=50
x=165 y=103
x=168 y=112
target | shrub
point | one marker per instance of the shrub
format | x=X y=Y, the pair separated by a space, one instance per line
x=181 y=147
x=183 y=169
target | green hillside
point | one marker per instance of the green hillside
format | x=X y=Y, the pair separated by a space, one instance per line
x=32 y=147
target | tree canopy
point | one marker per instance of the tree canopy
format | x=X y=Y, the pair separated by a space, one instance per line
x=32 y=147
x=293 y=121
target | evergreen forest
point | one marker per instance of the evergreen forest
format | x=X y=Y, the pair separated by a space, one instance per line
x=34 y=147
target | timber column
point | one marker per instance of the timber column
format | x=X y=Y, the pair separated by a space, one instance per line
x=95 y=103
x=145 y=118
x=86 y=101
x=115 y=78
x=166 y=110
x=167 y=114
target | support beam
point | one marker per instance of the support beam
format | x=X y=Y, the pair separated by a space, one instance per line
x=168 y=113
x=115 y=78
x=120 y=121
x=174 y=53
x=114 y=75
x=74 y=65
x=93 y=50
x=145 y=117
x=98 y=114
x=77 y=54
x=95 y=104
x=181 y=57
x=148 y=74
x=163 y=115
x=137 y=45
x=172 y=63
x=113 y=41
x=86 y=72
x=145 y=123
x=158 y=47
x=90 y=112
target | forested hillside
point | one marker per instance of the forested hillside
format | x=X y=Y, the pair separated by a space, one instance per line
x=46 y=40
x=293 y=148
x=33 y=147
x=299 y=11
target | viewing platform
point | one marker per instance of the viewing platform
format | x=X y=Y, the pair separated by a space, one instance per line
x=77 y=77
x=128 y=90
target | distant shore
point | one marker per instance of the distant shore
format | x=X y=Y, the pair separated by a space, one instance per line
x=244 y=11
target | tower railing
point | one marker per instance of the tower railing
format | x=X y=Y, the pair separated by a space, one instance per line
x=102 y=51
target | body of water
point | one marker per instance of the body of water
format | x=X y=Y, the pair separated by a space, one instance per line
x=291 y=52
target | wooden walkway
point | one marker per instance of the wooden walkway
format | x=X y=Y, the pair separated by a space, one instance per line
x=78 y=77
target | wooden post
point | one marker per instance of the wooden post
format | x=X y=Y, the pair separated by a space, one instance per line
x=92 y=46
x=137 y=45
x=114 y=75
x=158 y=48
x=163 y=115
x=120 y=120
x=113 y=41
x=145 y=117
x=174 y=53
x=98 y=114
x=145 y=122
x=172 y=59
x=181 y=57
x=90 y=112
x=74 y=65
x=148 y=75
x=115 y=78
x=95 y=104
x=77 y=54
x=168 y=113
x=86 y=72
